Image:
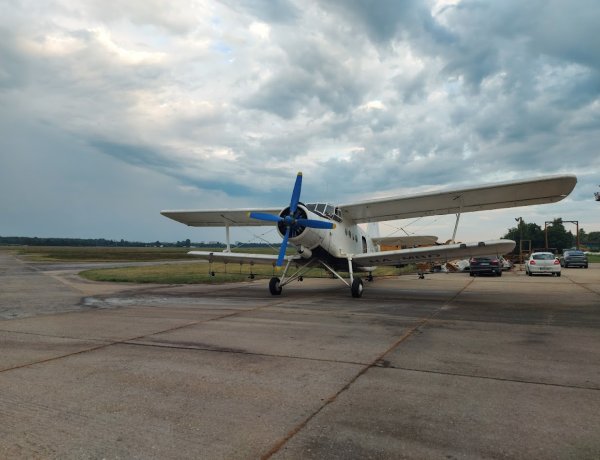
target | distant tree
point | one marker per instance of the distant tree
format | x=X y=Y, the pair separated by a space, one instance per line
x=558 y=237
x=528 y=231
x=188 y=243
x=593 y=237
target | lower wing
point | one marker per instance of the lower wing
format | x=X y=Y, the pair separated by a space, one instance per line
x=239 y=257
x=434 y=253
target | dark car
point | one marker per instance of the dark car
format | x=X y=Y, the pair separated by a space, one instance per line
x=574 y=259
x=485 y=265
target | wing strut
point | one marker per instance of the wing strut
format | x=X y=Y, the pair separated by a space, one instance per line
x=227 y=238
x=457 y=219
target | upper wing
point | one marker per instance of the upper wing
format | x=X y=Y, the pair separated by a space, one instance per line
x=240 y=257
x=548 y=189
x=219 y=218
x=435 y=253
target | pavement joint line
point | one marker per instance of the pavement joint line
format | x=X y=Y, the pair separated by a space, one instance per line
x=295 y=430
x=242 y=352
x=581 y=285
x=123 y=341
x=37 y=334
x=485 y=377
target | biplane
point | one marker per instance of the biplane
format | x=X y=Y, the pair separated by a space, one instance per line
x=330 y=236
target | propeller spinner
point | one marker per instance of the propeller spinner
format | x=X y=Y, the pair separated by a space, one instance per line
x=292 y=219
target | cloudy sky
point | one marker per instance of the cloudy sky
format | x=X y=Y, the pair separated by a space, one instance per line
x=111 y=111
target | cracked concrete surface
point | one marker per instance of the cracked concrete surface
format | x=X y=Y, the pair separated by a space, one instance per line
x=446 y=367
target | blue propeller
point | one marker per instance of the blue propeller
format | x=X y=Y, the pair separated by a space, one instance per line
x=292 y=220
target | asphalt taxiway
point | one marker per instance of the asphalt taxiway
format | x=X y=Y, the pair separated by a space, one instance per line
x=445 y=367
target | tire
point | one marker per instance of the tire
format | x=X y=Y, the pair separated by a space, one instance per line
x=471 y=274
x=527 y=272
x=558 y=274
x=357 y=288
x=499 y=273
x=274 y=286
x=585 y=266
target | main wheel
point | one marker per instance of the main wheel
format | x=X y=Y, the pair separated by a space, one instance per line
x=274 y=286
x=357 y=287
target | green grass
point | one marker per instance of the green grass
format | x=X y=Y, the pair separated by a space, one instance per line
x=110 y=254
x=593 y=258
x=191 y=273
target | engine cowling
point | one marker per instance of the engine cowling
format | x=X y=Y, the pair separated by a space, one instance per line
x=308 y=238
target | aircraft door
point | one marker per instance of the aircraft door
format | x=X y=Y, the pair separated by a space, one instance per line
x=365 y=247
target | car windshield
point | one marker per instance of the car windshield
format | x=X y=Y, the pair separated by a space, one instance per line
x=543 y=256
x=574 y=253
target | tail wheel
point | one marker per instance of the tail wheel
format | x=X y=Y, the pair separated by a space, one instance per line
x=275 y=286
x=357 y=287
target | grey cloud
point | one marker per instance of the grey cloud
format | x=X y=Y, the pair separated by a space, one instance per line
x=312 y=73
x=386 y=20
x=272 y=11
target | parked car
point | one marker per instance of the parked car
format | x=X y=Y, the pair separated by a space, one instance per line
x=574 y=259
x=485 y=265
x=542 y=262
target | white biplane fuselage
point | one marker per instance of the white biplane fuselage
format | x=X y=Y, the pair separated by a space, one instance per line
x=335 y=244
x=331 y=237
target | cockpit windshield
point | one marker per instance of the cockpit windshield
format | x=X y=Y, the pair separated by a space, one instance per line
x=325 y=210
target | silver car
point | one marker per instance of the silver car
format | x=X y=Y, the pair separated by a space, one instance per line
x=542 y=262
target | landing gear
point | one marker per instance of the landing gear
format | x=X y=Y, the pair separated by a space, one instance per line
x=275 y=286
x=354 y=283
x=357 y=287
x=370 y=277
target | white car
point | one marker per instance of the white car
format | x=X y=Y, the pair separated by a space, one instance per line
x=542 y=262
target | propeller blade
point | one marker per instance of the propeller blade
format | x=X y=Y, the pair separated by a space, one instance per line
x=312 y=223
x=283 y=248
x=264 y=216
x=296 y=193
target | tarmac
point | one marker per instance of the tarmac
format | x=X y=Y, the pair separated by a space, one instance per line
x=449 y=367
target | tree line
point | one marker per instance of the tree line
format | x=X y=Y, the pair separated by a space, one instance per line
x=558 y=237
x=102 y=242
